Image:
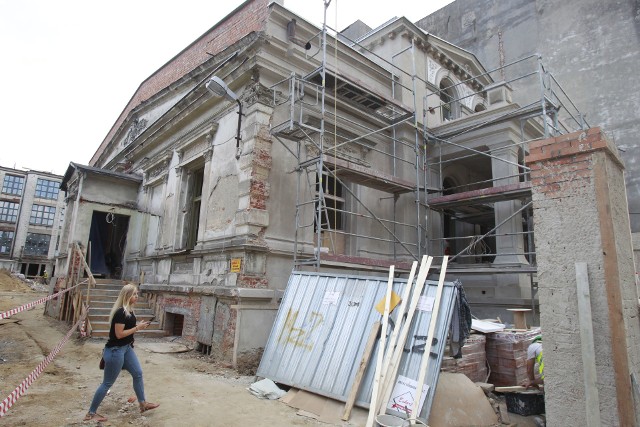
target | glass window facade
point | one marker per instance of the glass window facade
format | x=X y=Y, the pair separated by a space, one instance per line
x=37 y=244
x=47 y=189
x=6 y=238
x=42 y=215
x=13 y=185
x=9 y=211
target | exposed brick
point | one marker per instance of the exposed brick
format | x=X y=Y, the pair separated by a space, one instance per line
x=251 y=17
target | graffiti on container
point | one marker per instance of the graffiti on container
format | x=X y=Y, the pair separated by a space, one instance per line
x=300 y=336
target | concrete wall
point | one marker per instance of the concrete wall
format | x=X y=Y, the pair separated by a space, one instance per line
x=590 y=46
x=580 y=216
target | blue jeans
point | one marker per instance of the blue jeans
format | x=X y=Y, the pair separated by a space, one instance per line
x=115 y=360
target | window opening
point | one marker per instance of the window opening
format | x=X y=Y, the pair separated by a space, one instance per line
x=47 y=189
x=195 y=205
x=37 y=244
x=42 y=215
x=9 y=211
x=13 y=184
x=331 y=217
x=6 y=239
x=173 y=324
x=447 y=100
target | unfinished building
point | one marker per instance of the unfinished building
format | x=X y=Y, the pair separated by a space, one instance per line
x=312 y=150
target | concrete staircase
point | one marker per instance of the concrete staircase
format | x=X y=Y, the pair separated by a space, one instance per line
x=101 y=299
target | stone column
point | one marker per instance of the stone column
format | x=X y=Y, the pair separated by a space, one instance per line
x=504 y=169
x=581 y=215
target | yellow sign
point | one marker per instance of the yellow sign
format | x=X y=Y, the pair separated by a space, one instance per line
x=395 y=300
x=236 y=263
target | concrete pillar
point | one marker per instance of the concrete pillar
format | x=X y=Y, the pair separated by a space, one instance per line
x=509 y=237
x=580 y=215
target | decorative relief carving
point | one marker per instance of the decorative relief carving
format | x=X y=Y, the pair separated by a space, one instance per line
x=137 y=127
x=467 y=96
x=157 y=169
x=257 y=93
x=195 y=149
x=208 y=154
x=432 y=70
x=351 y=153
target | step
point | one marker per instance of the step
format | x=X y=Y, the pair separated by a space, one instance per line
x=147 y=333
x=103 y=315
x=120 y=283
x=105 y=326
x=103 y=303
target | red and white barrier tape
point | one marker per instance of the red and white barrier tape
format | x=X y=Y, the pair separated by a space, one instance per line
x=22 y=388
x=27 y=306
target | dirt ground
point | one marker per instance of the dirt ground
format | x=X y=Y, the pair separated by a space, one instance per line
x=191 y=389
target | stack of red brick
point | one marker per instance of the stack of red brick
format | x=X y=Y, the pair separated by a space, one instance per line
x=473 y=362
x=507 y=356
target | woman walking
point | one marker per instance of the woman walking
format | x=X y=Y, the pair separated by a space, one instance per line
x=118 y=353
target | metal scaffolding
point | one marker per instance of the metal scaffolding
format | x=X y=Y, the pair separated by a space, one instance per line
x=333 y=124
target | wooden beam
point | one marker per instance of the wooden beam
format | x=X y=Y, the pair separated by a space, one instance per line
x=381 y=345
x=368 y=349
x=394 y=363
x=620 y=360
x=426 y=357
x=587 y=346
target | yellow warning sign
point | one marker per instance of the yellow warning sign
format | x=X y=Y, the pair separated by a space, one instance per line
x=395 y=300
x=236 y=263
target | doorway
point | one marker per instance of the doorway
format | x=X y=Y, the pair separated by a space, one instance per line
x=108 y=240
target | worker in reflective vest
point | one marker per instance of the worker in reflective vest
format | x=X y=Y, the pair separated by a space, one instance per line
x=535 y=363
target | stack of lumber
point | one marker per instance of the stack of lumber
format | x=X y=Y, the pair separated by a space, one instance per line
x=473 y=363
x=507 y=356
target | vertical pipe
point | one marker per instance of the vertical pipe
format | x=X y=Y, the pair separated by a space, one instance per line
x=542 y=93
x=417 y=150
x=321 y=200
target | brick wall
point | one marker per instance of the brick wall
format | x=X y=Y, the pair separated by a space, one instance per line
x=250 y=17
x=185 y=305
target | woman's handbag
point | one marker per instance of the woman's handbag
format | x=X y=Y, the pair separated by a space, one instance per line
x=102 y=363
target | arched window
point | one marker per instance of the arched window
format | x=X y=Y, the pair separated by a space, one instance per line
x=448 y=102
x=479 y=107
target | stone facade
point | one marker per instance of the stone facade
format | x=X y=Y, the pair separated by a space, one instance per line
x=219 y=208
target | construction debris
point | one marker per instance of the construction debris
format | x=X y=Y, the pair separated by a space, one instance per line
x=266 y=389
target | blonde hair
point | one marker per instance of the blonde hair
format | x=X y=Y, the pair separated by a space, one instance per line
x=124 y=300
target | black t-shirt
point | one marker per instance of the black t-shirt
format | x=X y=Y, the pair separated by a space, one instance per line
x=129 y=323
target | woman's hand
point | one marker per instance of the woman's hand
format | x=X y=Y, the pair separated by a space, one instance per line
x=142 y=325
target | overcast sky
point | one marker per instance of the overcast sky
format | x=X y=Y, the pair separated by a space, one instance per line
x=69 y=67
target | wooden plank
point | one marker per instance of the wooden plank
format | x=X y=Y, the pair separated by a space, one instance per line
x=426 y=357
x=394 y=363
x=351 y=399
x=393 y=340
x=615 y=320
x=510 y=389
x=382 y=342
x=587 y=346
